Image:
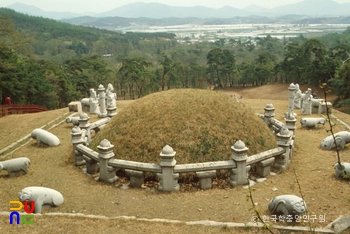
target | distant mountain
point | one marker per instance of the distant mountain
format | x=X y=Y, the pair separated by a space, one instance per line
x=158 y=11
x=35 y=11
x=256 y=9
x=315 y=8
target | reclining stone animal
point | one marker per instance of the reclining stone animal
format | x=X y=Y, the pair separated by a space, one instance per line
x=45 y=137
x=312 y=122
x=73 y=120
x=16 y=166
x=43 y=197
x=339 y=172
x=287 y=205
x=341 y=138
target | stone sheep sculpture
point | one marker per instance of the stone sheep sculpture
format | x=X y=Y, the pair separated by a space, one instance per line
x=42 y=197
x=341 y=138
x=16 y=166
x=287 y=205
x=73 y=120
x=45 y=137
x=311 y=122
x=339 y=172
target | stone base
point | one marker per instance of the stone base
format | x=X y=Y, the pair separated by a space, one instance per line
x=75 y=107
x=322 y=109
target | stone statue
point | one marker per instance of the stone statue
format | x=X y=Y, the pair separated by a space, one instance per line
x=73 y=120
x=287 y=205
x=339 y=171
x=307 y=103
x=85 y=104
x=297 y=97
x=110 y=96
x=42 y=197
x=311 y=122
x=45 y=137
x=342 y=138
x=94 y=107
x=102 y=101
x=16 y=166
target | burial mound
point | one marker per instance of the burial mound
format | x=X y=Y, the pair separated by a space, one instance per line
x=200 y=125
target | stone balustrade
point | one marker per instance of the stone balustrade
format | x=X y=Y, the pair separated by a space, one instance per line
x=168 y=171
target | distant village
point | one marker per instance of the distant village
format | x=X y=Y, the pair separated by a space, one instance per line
x=190 y=33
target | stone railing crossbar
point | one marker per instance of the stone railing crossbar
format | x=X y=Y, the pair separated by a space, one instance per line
x=180 y=168
x=265 y=155
x=138 y=166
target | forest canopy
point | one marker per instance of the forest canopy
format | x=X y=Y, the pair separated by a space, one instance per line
x=50 y=63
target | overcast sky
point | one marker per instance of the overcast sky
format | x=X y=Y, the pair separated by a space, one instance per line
x=80 y=6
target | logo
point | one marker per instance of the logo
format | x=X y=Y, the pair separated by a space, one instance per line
x=24 y=218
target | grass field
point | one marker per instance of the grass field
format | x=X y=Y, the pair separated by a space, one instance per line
x=142 y=210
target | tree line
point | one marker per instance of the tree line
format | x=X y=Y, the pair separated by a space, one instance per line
x=50 y=63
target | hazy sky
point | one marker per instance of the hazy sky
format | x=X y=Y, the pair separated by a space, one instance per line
x=80 y=6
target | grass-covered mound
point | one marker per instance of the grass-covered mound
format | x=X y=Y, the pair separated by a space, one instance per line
x=200 y=125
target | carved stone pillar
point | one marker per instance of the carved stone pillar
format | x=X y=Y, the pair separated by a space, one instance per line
x=107 y=173
x=84 y=124
x=268 y=114
x=239 y=175
x=284 y=140
x=168 y=180
x=77 y=139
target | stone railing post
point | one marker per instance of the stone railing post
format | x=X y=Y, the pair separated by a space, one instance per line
x=205 y=178
x=112 y=109
x=291 y=126
x=168 y=180
x=77 y=139
x=284 y=140
x=239 y=175
x=137 y=178
x=107 y=173
x=91 y=165
x=268 y=114
x=102 y=101
x=264 y=167
x=84 y=124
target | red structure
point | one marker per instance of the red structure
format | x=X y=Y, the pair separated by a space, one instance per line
x=13 y=109
x=7 y=100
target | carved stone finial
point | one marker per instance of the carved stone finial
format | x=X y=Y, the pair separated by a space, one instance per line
x=239 y=145
x=105 y=143
x=167 y=150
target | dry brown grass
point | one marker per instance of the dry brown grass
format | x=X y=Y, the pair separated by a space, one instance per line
x=53 y=167
x=200 y=125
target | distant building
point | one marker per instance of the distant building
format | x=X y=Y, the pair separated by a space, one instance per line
x=107 y=55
